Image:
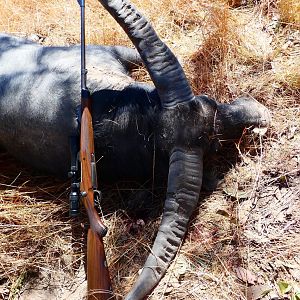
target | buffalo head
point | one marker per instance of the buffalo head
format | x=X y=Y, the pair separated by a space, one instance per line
x=185 y=125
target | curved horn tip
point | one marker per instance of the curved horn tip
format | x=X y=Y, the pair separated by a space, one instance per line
x=162 y=65
x=184 y=184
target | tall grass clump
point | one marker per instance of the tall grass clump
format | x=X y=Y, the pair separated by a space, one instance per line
x=209 y=63
x=289 y=11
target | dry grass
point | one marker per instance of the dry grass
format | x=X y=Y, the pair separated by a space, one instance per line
x=249 y=224
x=289 y=12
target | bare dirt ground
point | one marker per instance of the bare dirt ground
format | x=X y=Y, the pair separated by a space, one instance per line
x=244 y=239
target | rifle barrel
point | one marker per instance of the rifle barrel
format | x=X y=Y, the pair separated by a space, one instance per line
x=82 y=43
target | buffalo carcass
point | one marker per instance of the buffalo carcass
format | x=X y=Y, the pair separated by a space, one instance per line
x=134 y=123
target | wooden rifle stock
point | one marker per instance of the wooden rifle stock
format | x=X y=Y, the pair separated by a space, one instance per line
x=99 y=285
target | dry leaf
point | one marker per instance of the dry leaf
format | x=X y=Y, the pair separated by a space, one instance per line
x=245 y=275
x=284 y=287
x=237 y=194
x=256 y=292
x=260 y=131
x=295 y=273
x=181 y=266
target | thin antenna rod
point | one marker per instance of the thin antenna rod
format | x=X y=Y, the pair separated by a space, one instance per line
x=82 y=38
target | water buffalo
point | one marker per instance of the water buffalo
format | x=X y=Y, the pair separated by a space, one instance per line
x=135 y=124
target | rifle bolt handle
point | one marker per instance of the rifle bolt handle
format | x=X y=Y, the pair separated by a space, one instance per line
x=83 y=194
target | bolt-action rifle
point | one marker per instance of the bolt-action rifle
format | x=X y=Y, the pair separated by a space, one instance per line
x=99 y=285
